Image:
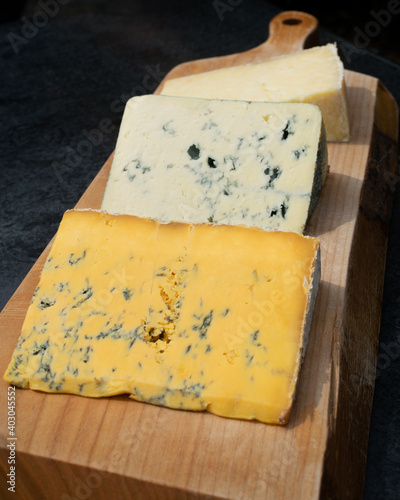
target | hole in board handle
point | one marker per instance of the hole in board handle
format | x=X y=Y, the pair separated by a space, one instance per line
x=292 y=21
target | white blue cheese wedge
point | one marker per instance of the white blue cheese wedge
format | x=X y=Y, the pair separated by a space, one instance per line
x=227 y=162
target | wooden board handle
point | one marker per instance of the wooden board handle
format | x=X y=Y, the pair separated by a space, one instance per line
x=290 y=31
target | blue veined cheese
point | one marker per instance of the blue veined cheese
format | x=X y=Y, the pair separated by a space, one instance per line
x=189 y=316
x=227 y=162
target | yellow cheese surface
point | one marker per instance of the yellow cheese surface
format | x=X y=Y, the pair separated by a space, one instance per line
x=197 y=317
x=314 y=75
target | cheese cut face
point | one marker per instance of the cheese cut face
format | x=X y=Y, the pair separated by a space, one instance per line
x=194 y=317
x=226 y=162
x=314 y=75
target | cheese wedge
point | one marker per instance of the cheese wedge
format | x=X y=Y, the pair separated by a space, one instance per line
x=194 y=317
x=314 y=75
x=226 y=162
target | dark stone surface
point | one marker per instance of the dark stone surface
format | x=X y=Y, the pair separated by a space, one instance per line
x=77 y=70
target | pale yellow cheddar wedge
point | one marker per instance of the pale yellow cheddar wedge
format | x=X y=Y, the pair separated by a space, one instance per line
x=314 y=76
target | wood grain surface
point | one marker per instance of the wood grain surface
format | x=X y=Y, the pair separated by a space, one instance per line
x=70 y=447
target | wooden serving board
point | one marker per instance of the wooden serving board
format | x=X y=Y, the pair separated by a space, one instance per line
x=70 y=447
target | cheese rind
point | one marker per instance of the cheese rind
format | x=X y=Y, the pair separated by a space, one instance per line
x=314 y=75
x=226 y=162
x=196 y=317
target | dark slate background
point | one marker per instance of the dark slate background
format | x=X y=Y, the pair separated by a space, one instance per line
x=61 y=80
